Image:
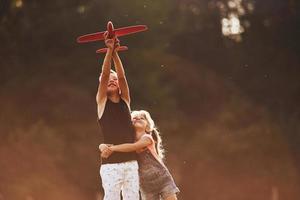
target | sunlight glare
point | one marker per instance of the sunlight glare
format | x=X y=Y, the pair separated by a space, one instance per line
x=19 y=3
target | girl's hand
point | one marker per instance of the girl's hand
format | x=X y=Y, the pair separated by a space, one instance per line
x=102 y=147
x=106 y=153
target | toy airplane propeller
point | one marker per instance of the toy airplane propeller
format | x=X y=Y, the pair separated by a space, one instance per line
x=111 y=33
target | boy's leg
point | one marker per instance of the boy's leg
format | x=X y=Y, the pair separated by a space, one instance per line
x=130 y=190
x=112 y=177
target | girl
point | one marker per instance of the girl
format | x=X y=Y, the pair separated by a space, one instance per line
x=155 y=179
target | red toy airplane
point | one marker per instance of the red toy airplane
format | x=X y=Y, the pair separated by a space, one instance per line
x=111 y=33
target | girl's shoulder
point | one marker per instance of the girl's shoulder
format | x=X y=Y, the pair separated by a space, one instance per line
x=151 y=147
x=146 y=135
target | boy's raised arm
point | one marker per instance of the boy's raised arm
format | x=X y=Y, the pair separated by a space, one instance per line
x=104 y=78
x=125 y=95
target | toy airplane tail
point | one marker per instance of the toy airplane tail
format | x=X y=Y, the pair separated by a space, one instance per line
x=104 y=50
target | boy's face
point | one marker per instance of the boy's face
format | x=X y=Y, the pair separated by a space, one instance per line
x=113 y=84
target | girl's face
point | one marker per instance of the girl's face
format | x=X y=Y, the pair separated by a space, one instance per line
x=139 y=122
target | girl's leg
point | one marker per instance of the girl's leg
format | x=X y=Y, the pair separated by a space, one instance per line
x=150 y=196
x=171 y=197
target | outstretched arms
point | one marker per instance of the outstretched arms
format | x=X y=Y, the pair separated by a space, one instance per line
x=107 y=150
x=129 y=147
x=112 y=52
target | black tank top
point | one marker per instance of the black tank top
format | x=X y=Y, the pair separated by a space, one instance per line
x=117 y=128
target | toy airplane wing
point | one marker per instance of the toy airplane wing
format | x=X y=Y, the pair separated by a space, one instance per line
x=91 y=37
x=118 y=32
x=130 y=30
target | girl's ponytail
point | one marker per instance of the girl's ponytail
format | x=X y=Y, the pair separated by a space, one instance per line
x=158 y=142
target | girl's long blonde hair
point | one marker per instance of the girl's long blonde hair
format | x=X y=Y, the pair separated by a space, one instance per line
x=152 y=130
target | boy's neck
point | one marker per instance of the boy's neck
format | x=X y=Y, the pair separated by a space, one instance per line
x=114 y=98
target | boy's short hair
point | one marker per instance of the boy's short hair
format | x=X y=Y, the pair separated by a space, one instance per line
x=111 y=71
